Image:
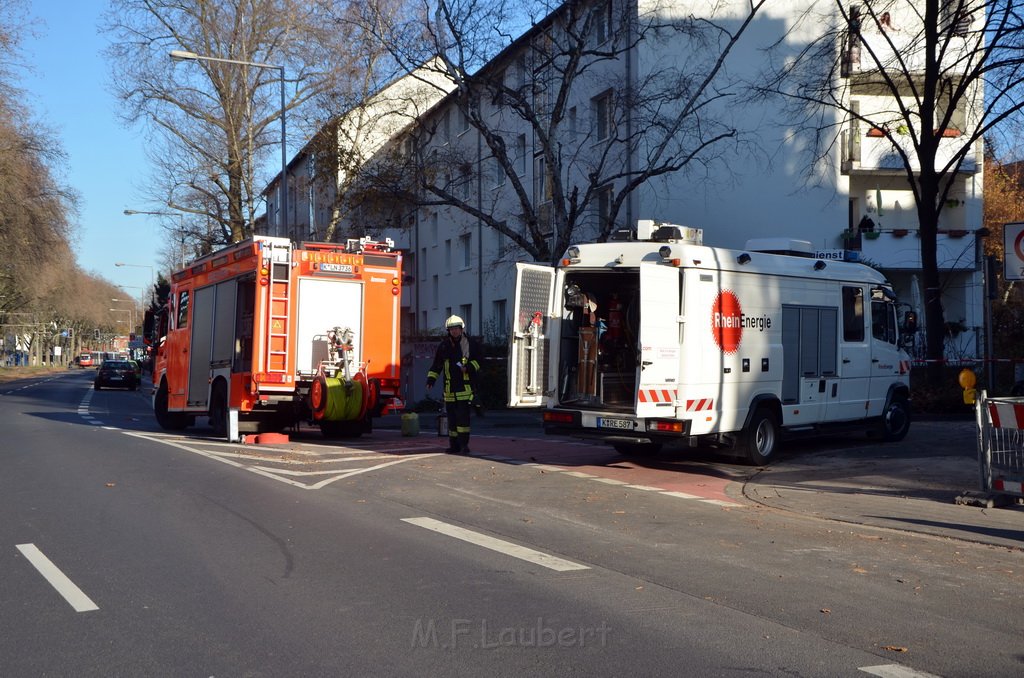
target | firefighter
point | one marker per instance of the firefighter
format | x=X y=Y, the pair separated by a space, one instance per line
x=455 y=360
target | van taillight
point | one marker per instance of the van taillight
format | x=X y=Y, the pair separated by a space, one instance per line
x=666 y=426
x=558 y=417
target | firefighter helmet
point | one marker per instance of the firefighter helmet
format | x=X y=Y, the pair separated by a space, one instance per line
x=454 y=321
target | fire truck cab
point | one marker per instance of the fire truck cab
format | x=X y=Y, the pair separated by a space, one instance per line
x=266 y=333
x=660 y=339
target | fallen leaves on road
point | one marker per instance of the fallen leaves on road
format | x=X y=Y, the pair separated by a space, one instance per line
x=111 y=484
x=894 y=648
x=825 y=610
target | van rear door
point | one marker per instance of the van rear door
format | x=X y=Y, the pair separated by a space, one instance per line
x=534 y=334
x=658 y=387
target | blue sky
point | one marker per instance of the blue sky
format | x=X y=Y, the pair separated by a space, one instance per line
x=107 y=164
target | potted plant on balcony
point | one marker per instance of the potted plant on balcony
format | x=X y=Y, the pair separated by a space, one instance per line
x=871 y=235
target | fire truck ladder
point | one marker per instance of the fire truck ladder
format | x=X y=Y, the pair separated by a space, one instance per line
x=280 y=303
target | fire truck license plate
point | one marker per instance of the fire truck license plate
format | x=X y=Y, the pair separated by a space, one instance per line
x=336 y=268
x=624 y=424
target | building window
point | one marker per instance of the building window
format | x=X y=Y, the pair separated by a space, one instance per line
x=603 y=22
x=466 y=312
x=423 y=259
x=604 y=123
x=434 y=292
x=540 y=180
x=464 y=249
x=499 y=313
x=425 y=326
x=604 y=209
x=433 y=228
x=573 y=129
x=521 y=155
x=497 y=172
x=448 y=256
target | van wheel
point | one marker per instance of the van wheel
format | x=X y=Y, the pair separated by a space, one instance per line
x=219 y=410
x=757 y=443
x=169 y=421
x=637 y=449
x=895 y=422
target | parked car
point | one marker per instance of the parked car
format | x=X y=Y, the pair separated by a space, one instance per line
x=116 y=373
x=138 y=369
x=84 y=360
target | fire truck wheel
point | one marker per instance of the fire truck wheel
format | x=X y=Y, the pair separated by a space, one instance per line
x=219 y=410
x=895 y=420
x=169 y=421
x=759 y=440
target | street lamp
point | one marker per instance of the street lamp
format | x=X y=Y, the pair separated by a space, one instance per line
x=181 y=226
x=152 y=274
x=192 y=56
x=130 y=310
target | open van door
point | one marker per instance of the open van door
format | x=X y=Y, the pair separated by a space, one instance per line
x=658 y=386
x=533 y=331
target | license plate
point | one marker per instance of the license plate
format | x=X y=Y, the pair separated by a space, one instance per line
x=621 y=424
x=336 y=268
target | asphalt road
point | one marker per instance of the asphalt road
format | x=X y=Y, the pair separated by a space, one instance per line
x=127 y=551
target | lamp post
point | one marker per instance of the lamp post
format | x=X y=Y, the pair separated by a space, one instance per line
x=283 y=187
x=152 y=274
x=130 y=310
x=181 y=226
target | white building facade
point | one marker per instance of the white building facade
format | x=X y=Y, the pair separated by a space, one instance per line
x=754 y=185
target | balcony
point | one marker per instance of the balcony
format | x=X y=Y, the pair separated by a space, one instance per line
x=901 y=249
x=900 y=52
x=873 y=152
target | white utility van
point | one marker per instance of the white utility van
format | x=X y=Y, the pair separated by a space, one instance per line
x=664 y=340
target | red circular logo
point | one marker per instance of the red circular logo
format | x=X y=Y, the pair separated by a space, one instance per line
x=727 y=321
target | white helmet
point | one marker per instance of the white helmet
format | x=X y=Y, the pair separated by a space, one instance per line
x=454 y=321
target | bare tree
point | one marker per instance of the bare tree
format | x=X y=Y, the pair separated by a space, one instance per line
x=212 y=124
x=652 y=124
x=930 y=71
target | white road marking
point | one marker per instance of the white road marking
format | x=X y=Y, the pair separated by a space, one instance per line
x=579 y=474
x=57 y=579
x=895 y=671
x=720 y=502
x=683 y=495
x=499 y=545
x=273 y=475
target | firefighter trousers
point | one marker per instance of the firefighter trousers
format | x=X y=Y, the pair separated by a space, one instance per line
x=458 y=426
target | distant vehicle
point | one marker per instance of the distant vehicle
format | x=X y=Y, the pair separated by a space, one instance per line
x=138 y=369
x=117 y=374
x=84 y=360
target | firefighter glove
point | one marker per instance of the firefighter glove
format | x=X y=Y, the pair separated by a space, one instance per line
x=430 y=382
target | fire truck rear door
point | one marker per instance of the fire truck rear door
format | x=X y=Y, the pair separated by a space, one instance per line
x=658 y=388
x=533 y=335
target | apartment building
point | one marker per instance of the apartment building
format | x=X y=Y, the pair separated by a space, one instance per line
x=754 y=182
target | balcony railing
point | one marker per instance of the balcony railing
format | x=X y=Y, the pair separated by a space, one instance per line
x=898 y=52
x=875 y=153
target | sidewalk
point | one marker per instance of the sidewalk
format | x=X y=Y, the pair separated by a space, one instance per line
x=912 y=485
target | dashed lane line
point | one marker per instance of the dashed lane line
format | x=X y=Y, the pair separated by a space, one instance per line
x=499 y=545
x=57 y=579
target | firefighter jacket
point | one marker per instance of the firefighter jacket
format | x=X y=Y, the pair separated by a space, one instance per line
x=456 y=362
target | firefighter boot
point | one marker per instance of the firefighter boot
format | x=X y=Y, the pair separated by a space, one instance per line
x=463 y=444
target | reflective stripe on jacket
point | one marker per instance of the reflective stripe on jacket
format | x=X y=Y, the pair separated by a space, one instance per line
x=459 y=371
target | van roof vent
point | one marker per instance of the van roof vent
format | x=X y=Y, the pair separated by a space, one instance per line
x=788 y=246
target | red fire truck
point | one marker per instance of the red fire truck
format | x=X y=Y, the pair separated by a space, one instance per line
x=266 y=333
